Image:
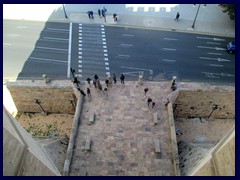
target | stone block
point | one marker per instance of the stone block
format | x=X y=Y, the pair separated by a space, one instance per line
x=157 y=146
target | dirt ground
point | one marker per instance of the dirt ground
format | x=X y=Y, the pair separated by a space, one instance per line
x=39 y=124
x=202 y=130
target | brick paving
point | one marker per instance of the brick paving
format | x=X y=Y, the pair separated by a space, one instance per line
x=123 y=133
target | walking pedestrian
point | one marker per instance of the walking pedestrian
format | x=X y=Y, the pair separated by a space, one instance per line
x=145 y=91
x=99 y=12
x=177 y=16
x=105 y=91
x=115 y=17
x=95 y=83
x=82 y=92
x=153 y=104
x=76 y=81
x=89 y=15
x=103 y=13
x=96 y=77
x=89 y=81
x=149 y=101
x=114 y=79
x=88 y=92
x=167 y=102
x=122 y=77
x=100 y=87
x=107 y=82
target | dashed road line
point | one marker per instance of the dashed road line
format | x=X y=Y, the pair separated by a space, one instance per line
x=169 y=60
x=128 y=35
x=213 y=43
x=168 y=49
x=170 y=39
x=216 y=65
x=48 y=48
x=48 y=60
x=55 y=29
x=218 y=54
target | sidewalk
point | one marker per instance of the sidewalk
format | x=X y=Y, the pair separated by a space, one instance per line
x=210 y=19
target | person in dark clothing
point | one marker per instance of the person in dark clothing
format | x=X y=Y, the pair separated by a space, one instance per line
x=149 y=101
x=96 y=77
x=99 y=12
x=153 y=104
x=115 y=17
x=89 y=15
x=103 y=13
x=107 y=82
x=122 y=77
x=89 y=81
x=95 y=83
x=105 y=91
x=177 y=16
x=114 y=79
x=76 y=81
x=81 y=91
x=145 y=91
x=88 y=92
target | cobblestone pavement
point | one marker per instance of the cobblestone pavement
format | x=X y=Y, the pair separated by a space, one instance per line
x=123 y=133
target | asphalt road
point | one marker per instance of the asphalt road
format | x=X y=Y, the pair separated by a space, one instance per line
x=34 y=48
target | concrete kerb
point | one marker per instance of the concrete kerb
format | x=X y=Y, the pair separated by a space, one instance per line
x=73 y=135
x=175 y=157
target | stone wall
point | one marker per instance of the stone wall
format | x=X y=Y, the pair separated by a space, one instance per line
x=22 y=155
x=55 y=97
x=199 y=104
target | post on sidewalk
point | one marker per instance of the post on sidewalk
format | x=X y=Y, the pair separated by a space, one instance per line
x=64 y=11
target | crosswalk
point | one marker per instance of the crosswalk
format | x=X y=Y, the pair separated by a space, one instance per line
x=92 y=51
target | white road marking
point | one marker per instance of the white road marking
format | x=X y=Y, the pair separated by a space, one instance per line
x=168 y=49
x=80 y=45
x=103 y=32
x=129 y=35
x=80 y=30
x=127 y=67
x=13 y=35
x=106 y=59
x=80 y=49
x=103 y=39
x=104 y=42
x=7 y=44
x=170 y=39
x=104 y=47
x=216 y=65
x=169 y=60
x=105 y=54
x=21 y=27
x=69 y=50
x=135 y=73
x=55 y=38
x=106 y=63
x=107 y=68
x=216 y=48
x=213 y=43
x=80 y=34
x=215 y=39
x=80 y=27
x=80 y=70
x=126 y=45
x=49 y=60
x=80 y=37
x=79 y=52
x=80 y=57
x=79 y=61
x=102 y=29
x=104 y=50
x=102 y=25
x=217 y=74
x=54 y=29
x=216 y=59
x=48 y=48
x=80 y=41
x=123 y=55
x=79 y=75
x=103 y=35
x=108 y=73
x=218 y=54
x=80 y=66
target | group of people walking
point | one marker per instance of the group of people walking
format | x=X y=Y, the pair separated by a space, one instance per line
x=101 y=13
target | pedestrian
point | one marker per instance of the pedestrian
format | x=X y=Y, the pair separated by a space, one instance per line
x=167 y=102
x=122 y=77
x=177 y=16
x=114 y=79
x=153 y=104
x=107 y=82
x=95 y=83
x=82 y=92
x=89 y=81
x=105 y=91
x=149 y=101
x=100 y=87
x=99 y=12
x=88 y=92
x=76 y=81
x=145 y=91
x=103 y=13
x=89 y=15
x=96 y=77
x=115 y=17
